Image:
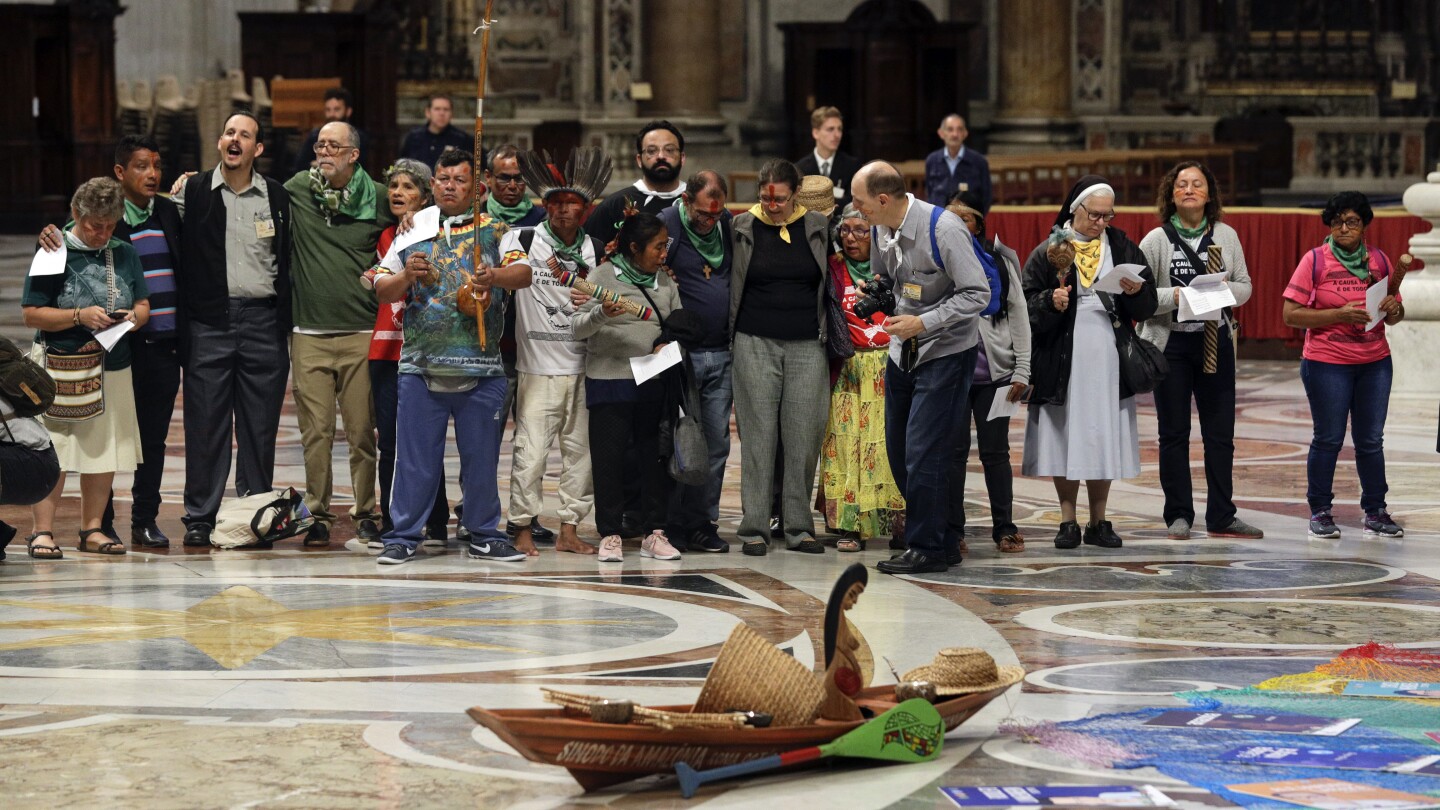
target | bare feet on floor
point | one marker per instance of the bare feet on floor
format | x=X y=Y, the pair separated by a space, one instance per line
x=569 y=540
x=523 y=542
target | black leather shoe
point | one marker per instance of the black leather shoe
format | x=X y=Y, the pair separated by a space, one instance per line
x=318 y=535
x=197 y=535
x=540 y=534
x=150 y=536
x=1103 y=535
x=1068 y=536
x=630 y=526
x=952 y=556
x=911 y=562
x=367 y=531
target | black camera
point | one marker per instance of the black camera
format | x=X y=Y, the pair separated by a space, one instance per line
x=879 y=296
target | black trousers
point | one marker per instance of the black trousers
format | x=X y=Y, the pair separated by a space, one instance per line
x=993 y=436
x=1214 y=396
x=235 y=379
x=614 y=428
x=155 y=375
x=385 y=395
x=26 y=476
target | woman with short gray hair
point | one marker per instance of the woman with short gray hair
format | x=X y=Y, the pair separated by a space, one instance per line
x=92 y=422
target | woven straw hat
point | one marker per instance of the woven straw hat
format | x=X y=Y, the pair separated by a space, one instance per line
x=751 y=674
x=816 y=193
x=964 y=671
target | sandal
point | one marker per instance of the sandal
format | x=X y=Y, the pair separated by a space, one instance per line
x=42 y=552
x=850 y=544
x=109 y=547
x=1011 y=544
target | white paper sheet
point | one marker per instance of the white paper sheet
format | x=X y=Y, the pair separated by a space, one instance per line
x=1205 y=298
x=1110 y=282
x=426 y=225
x=111 y=335
x=1001 y=406
x=1374 y=294
x=644 y=368
x=48 y=262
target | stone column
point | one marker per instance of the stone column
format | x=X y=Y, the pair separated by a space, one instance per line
x=1034 y=85
x=1413 y=340
x=680 y=54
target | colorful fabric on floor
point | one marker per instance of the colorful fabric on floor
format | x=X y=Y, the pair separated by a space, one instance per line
x=859 y=490
x=1368 y=662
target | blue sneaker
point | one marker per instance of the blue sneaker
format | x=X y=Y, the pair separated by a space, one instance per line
x=1379 y=524
x=494 y=550
x=1322 y=526
x=395 y=554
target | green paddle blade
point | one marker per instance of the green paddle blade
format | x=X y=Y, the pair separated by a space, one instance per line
x=910 y=732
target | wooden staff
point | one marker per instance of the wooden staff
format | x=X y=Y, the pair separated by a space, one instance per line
x=484 y=31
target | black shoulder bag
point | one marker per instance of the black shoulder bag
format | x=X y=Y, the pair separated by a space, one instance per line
x=1142 y=364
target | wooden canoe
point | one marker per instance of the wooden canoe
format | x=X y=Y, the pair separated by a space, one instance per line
x=598 y=755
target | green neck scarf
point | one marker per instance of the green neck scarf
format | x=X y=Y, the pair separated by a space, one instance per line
x=859 y=271
x=710 y=246
x=135 y=215
x=356 y=200
x=508 y=214
x=628 y=273
x=1356 y=261
x=575 y=252
x=1189 y=233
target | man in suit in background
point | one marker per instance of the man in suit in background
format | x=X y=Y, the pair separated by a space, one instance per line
x=827 y=127
x=953 y=169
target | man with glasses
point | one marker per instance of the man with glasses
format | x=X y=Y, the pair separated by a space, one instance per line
x=339 y=106
x=508 y=201
x=338 y=216
x=700 y=256
x=660 y=155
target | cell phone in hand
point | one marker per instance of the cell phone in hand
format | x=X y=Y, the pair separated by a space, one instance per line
x=118 y=315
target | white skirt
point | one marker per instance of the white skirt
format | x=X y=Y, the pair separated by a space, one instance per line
x=109 y=442
x=1092 y=437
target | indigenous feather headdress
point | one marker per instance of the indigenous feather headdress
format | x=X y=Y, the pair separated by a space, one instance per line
x=586 y=173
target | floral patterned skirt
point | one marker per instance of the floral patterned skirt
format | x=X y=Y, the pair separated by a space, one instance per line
x=859 y=492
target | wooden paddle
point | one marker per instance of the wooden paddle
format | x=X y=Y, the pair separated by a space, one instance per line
x=910 y=732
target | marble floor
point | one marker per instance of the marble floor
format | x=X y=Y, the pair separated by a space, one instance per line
x=314 y=678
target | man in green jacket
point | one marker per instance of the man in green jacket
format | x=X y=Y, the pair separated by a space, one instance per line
x=337 y=217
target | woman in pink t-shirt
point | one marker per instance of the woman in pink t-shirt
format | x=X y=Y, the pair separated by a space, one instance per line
x=1345 y=366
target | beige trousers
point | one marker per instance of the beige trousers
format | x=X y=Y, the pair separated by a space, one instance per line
x=548 y=407
x=327 y=371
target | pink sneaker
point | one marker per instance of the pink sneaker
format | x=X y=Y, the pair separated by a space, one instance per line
x=656 y=545
x=610 y=549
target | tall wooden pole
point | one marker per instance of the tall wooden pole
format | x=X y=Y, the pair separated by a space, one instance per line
x=484 y=30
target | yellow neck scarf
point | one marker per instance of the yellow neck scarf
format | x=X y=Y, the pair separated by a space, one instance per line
x=760 y=214
x=1087 y=260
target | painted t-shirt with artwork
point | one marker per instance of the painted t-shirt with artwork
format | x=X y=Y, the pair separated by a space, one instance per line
x=439 y=340
x=1340 y=343
x=544 y=338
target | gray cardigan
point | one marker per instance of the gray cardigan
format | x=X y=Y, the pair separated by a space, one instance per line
x=611 y=342
x=1157 y=250
x=817 y=233
x=1007 y=339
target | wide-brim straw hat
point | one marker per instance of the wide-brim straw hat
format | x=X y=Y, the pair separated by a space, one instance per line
x=965 y=671
x=751 y=674
x=816 y=193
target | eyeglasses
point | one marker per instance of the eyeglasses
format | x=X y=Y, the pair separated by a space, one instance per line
x=669 y=151
x=858 y=233
x=1097 y=216
x=509 y=179
x=1352 y=223
x=331 y=147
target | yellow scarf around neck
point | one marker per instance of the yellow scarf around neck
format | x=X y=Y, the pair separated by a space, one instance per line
x=1087 y=260
x=760 y=214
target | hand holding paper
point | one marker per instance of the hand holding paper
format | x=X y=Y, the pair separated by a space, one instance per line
x=649 y=366
x=48 y=262
x=1374 y=296
x=111 y=335
x=1110 y=282
x=1205 y=298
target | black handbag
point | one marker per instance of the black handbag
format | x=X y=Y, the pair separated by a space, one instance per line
x=838 y=345
x=1142 y=364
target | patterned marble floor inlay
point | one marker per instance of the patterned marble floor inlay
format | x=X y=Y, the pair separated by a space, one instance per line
x=311 y=678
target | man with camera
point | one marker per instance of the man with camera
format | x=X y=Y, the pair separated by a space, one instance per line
x=922 y=257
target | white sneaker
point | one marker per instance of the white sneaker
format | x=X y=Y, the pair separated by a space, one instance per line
x=610 y=549
x=658 y=546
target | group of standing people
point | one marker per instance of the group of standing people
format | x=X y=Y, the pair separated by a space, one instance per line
x=368 y=297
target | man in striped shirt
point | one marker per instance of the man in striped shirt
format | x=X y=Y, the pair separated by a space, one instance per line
x=151 y=224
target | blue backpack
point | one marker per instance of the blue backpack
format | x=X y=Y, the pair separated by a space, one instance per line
x=992 y=273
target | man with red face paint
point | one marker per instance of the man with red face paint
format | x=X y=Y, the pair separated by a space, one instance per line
x=699 y=257
x=660 y=155
x=550 y=362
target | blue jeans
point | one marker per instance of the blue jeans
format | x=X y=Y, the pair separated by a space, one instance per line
x=1362 y=393
x=699 y=506
x=924 y=413
x=420 y=453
